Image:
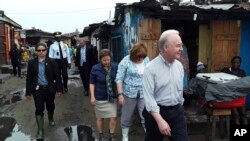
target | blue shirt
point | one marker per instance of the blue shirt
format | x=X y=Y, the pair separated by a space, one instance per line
x=128 y=75
x=163 y=84
x=98 y=78
x=41 y=74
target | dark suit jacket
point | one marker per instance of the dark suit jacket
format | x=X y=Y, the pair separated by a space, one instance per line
x=51 y=72
x=78 y=56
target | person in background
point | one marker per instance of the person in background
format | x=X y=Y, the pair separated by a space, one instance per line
x=60 y=53
x=103 y=93
x=48 y=43
x=43 y=82
x=201 y=67
x=163 y=92
x=83 y=62
x=239 y=114
x=16 y=57
x=185 y=62
x=129 y=86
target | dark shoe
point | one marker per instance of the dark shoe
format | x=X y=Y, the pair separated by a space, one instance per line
x=65 y=90
x=40 y=129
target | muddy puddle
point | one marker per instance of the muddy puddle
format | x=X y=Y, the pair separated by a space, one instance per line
x=79 y=133
x=12 y=97
x=10 y=131
x=75 y=80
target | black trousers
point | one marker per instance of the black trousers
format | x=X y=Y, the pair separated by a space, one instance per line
x=84 y=74
x=16 y=68
x=176 y=120
x=41 y=97
x=63 y=70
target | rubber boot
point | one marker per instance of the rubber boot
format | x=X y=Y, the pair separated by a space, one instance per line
x=51 y=119
x=40 y=129
x=125 y=134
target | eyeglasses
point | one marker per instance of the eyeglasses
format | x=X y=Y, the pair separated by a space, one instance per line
x=41 y=50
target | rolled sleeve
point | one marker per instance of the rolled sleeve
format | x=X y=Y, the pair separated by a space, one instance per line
x=148 y=92
x=121 y=72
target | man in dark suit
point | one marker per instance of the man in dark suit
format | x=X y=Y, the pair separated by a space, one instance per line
x=16 y=56
x=43 y=82
x=84 y=62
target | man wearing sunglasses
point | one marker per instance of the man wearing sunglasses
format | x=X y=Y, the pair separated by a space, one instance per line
x=60 y=53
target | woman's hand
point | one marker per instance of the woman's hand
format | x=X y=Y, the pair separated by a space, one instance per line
x=121 y=100
x=92 y=100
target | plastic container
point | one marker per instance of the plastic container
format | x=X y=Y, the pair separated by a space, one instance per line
x=229 y=104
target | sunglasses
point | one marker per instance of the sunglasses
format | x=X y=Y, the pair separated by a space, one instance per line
x=41 y=50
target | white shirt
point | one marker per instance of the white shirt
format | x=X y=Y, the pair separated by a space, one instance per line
x=54 y=51
x=83 y=55
x=162 y=84
x=140 y=68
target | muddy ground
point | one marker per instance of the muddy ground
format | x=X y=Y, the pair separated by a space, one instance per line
x=72 y=110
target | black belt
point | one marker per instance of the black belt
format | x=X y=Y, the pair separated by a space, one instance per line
x=43 y=86
x=169 y=107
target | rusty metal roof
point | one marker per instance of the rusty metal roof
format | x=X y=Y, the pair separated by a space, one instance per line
x=225 y=6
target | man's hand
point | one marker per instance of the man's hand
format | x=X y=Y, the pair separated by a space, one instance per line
x=162 y=124
x=58 y=94
x=164 y=128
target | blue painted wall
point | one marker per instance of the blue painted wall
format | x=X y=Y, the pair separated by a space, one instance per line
x=245 y=51
x=128 y=30
x=245 y=46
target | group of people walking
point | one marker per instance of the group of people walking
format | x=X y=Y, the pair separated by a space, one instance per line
x=154 y=88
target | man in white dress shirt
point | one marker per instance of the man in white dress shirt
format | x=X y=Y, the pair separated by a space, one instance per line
x=162 y=89
x=60 y=52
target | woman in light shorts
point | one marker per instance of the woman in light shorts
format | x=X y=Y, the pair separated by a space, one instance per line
x=103 y=94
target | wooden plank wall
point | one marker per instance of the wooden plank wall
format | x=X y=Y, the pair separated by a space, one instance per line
x=149 y=33
x=205 y=44
x=225 y=43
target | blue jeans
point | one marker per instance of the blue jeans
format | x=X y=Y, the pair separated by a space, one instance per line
x=176 y=120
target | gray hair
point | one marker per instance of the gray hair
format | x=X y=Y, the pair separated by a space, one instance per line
x=164 y=38
x=105 y=52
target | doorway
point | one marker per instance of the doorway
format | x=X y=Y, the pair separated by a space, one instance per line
x=190 y=38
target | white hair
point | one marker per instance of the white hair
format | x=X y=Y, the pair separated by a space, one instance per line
x=164 y=37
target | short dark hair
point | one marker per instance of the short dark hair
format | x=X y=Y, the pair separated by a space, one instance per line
x=137 y=51
x=41 y=44
x=105 y=52
x=236 y=57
